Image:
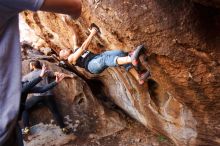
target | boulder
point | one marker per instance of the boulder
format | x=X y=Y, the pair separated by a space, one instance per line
x=181 y=100
x=78 y=106
x=90 y=116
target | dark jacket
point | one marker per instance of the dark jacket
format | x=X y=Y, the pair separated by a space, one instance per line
x=30 y=87
x=45 y=81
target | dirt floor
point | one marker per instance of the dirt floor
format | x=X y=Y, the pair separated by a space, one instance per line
x=133 y=135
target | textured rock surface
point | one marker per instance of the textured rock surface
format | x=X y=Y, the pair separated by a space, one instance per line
x=77 y=102
x=213 y=3
x=182 y=99
x=90 y=123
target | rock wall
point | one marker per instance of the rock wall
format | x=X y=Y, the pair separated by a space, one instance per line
x=181 y=100
x=212 y=3
x=79 y=106
x=92 y=119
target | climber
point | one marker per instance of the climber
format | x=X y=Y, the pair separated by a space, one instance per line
x=30 y=87
x=46 y=98
x=10 y=62
x=97 y=63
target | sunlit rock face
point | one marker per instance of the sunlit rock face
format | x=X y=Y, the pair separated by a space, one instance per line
x=89 y=115
x=78 y=105
x=181 y=100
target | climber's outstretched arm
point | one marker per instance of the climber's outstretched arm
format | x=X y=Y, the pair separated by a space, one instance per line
x=59 y=78
x=64 y=74
x=70 y=7
x=73 y=57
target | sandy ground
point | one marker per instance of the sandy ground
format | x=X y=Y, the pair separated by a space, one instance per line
x=133 y=135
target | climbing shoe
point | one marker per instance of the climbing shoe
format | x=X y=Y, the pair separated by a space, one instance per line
x=135 y=55
x=143 y=77
x=65 y=130
x=26 y=131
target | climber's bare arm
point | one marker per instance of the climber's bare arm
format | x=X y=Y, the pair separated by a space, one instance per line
x=68 y=76
x=64 y=75
x=70 y=7
x=73 y=57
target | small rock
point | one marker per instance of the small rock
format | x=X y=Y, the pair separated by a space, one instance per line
x=75 y=125
x=138 y=140
x=77 y=121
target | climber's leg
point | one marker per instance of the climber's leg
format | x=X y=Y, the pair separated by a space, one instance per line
x=105 y=60
x=114 y=58
x=132 y=58
x=19 y=135
x=51 y=104
x=123 y=60
x=30 y=103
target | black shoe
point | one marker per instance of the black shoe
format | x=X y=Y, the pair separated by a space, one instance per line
x=135 y=55
x=143 y=77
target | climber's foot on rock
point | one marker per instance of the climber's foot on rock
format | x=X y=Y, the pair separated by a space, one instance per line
x=143 y=77
x=135 y=55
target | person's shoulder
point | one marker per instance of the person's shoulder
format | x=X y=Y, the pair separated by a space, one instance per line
x=27 y=77
x=34 y=73
x=38 y=71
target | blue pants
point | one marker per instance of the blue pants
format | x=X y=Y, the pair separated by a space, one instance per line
x=106 y=59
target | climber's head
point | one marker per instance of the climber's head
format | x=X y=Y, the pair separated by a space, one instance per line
x=64 y=54
x=35 y=64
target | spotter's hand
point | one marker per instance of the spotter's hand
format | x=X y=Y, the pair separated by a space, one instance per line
x=59 y=77
x=44 y=71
